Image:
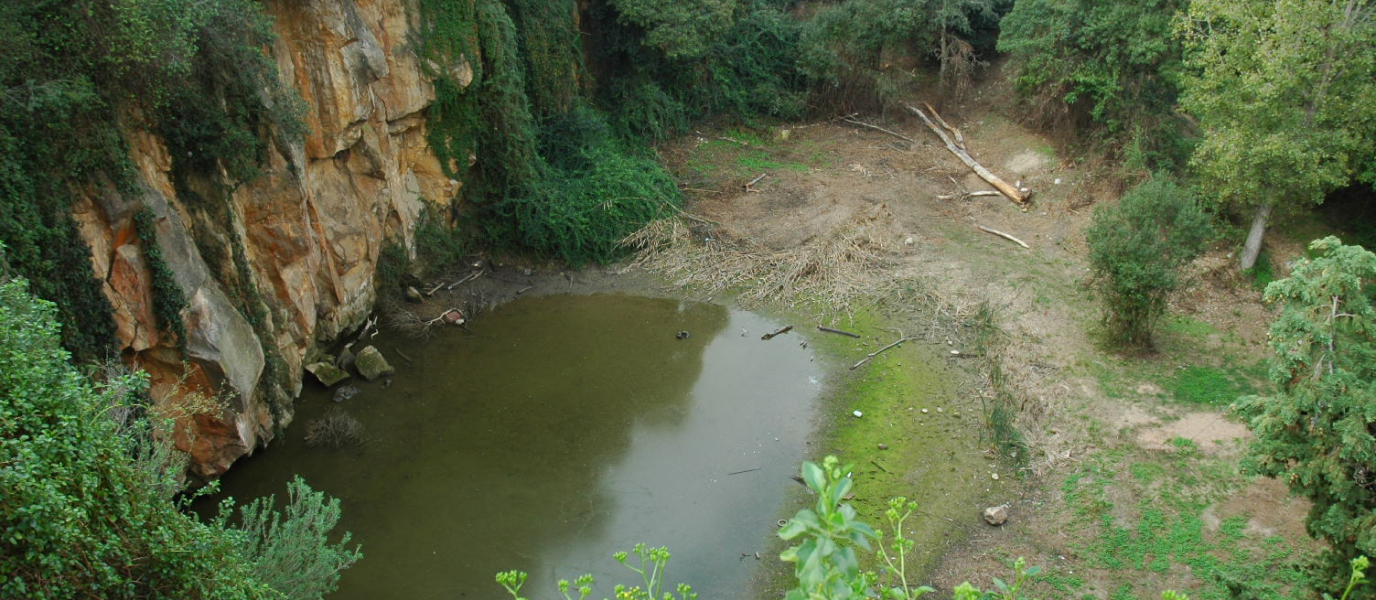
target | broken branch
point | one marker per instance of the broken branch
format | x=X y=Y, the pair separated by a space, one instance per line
x=1008 y=190
x=854 y=121
x=830 y=330
x=467 y=279
x=750 y=187
x=960 y=139
x=965 y=195
x=1004 y=236
x=871 y=355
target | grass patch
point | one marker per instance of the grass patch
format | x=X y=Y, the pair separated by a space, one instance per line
x=1141 y=526
x=739 y=152
x=1209 y=386
x=1189 y=327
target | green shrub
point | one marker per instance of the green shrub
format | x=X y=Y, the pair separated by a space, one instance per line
x=1136 y=248
x=89 y=476
x=1263 y=272
x=1318 y=433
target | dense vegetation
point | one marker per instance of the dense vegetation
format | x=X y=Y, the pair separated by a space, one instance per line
x=557 y=136
x=89 y=482
x=1106 y=71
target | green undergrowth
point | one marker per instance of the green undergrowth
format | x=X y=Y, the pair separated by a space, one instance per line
x=543 y=168
x=727 y=156
x=1144 y=521
x=1196 y=365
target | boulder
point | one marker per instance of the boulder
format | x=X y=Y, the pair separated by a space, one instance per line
x=346 y=358
x=996 y=515
x=327 y=373
x=345 y=392
x=371 y=365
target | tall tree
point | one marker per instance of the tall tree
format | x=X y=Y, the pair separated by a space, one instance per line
x=1318 y=432
x=1285 y=94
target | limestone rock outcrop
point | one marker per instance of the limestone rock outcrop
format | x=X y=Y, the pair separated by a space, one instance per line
x=279 y=264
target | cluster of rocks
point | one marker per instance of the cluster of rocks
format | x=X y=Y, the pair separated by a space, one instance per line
x=333 y=370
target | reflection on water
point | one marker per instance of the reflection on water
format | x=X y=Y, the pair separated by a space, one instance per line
x=563 y=429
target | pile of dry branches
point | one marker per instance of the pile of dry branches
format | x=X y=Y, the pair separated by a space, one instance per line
x=829 y=272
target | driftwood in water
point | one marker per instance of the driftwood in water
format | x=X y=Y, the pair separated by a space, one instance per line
x=1003 y=235
x=779 y=331
x=830 y=330
x=1002 y=186
x=867 y=358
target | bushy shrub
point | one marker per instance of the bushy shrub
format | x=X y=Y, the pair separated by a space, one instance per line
x=89 y=476
x=1136 y=249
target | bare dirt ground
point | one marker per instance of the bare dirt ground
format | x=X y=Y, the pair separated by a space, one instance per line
x=1121 y=445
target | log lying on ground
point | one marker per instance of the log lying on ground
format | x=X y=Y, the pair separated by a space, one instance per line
x=966 y=195
x=999 y=184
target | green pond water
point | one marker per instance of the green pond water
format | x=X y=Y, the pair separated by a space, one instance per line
x=563 y=429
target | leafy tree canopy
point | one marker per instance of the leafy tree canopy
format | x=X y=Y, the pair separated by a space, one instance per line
x=1284 y=93
x=679 y=28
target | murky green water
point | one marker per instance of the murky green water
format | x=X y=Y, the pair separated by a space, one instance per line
x=563 y=429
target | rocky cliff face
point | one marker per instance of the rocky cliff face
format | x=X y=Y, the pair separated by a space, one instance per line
x=283 y=262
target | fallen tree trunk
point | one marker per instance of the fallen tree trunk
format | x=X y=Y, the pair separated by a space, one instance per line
x=960 y=139
x=999 y=184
